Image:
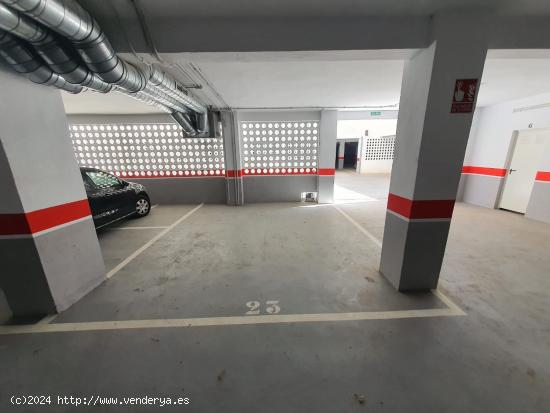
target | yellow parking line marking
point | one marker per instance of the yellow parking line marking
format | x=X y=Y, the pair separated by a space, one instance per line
x=359 y=227
x=47 y=320
x=151 y=242
x=438 y=293
x=117 y=228
x=226 y=321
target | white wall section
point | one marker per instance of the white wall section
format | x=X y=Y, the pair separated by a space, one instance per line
x=489 y=151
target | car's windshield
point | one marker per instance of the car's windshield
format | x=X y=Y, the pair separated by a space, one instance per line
x=102 y=179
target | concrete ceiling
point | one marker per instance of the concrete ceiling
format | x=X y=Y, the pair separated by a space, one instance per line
x=514 y=74
x=324 y=79
x=191 y=9
x=110 y=103
x=303 y=79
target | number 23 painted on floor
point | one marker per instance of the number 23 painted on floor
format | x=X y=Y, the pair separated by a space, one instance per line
x=271 y=307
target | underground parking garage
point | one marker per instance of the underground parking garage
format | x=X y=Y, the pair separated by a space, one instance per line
x=274 y=207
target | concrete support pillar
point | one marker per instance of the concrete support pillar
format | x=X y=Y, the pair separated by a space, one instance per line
x=327 y=144
x=49 y=251
x=432 y=133
x=340 y=154
x=232 y=153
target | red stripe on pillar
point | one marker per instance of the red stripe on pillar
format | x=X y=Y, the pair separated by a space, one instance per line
x=481 y=170
x=43 y=219
x=326 y=171
x=421 y=209
x=543 y=176
x=340 y=157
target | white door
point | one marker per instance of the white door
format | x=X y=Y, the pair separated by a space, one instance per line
x=523 y=169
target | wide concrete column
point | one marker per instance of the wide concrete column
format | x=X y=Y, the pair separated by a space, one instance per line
x=340 y=154
x=436 y=108
x=232 y=153
x=327 y=145
x=49 y=252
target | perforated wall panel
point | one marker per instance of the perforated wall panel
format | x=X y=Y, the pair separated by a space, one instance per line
x=280 y=148
x=151 y=150
x=380 y=148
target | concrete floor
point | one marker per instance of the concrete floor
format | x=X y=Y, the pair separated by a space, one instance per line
x=312 y=260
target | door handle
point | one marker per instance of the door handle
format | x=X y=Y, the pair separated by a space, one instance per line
x=511 y=170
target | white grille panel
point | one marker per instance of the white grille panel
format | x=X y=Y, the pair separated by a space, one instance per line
x=280 y=148
x=149 y=150
x=380 y=148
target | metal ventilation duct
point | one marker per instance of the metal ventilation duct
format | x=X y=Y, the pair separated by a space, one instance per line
x=22 y=59
x=57 y=55
x=69 y=19
x=60 y=59
x=185 y=122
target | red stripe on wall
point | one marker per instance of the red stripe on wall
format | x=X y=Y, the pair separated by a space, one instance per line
x=421 y=209
x=227 y=174
x=481 y=170
x=233 y=173
x=171 y=174
x=543 y=176
x=43 y=219
x=326 y=171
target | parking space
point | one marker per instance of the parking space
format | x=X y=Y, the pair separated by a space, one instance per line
x=222 y=261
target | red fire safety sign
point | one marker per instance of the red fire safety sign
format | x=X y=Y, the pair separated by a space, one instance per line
x=464 y=96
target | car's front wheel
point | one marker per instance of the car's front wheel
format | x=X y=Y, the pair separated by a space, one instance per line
x=143 y=206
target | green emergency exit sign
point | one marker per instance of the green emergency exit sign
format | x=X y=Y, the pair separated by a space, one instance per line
x=376 y=113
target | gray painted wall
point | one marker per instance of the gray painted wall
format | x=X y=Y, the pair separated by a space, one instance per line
x=277 y=188
x=481 y=190
x=539 y=203
x=185 y=190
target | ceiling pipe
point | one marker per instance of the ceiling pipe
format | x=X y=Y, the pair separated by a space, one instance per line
x=185 y=122
x=142 y=97
x=60 y=60
x=168 y=85
x=58 y=57
x=70 y=20
x=22 y=59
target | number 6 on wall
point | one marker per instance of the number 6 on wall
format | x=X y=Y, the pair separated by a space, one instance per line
x=271 y=307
